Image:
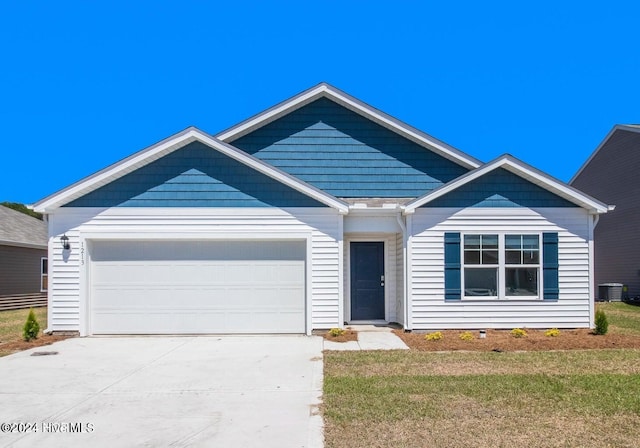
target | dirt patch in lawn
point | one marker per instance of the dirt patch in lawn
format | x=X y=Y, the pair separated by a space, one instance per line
x=348 y=335
x=18 y=345
x=502 y=340
x=473 y=430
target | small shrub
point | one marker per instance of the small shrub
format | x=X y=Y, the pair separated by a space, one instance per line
x=518 y=333
x=602 y=323
x=552 y=332
x=31 y=327
x=335 y=332
x=466 y=336
x=434 y=336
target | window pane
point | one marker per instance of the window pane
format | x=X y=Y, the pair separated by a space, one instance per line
x=472 y=257
x=472 y=241
x=530 y=242
x=531 y=257
x=521 y=281
x=480 y=281
x=512 y=242
x=489 y=241
x=513 y=257
x=489 y=257
x=45 y=266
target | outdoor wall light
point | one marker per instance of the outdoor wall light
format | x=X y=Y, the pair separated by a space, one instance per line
x=64 y=239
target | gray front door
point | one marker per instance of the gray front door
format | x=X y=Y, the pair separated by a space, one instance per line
x=367 y=280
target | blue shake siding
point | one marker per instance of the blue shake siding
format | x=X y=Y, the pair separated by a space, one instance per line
x=195 y=176
x=500 y=188
x=347 y=155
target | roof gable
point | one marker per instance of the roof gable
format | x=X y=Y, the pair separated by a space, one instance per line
x=195 y=176
x=346 y=154
x=166 y=147
x=500 y=188
x=615 y=132
x=506 y=181
x=324 y=90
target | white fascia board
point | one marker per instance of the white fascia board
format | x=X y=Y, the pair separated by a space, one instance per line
x=114 y=171
x=357 y=106
x=520 y=169
x=271 y=114
x=169 y=145
x=618 y=127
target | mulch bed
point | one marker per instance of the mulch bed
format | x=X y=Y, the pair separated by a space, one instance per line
x=502 y=340
x=9 y=347
x=349 y=335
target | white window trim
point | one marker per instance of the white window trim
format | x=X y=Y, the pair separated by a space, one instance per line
x=502 y=266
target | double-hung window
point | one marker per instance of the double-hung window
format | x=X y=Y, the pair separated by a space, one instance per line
x=481 y=265
x=501 y=266
x=522 y=265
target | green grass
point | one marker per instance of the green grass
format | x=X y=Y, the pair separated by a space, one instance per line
x=11 y=322
x=623 y=318
x=579 y=398
x=400 y=399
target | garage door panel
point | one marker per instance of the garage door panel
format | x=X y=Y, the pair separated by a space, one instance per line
x=198 y=250
x=173 y=294
x=196 y=322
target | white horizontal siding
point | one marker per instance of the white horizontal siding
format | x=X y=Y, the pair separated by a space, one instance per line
x=428 y=307
x=68 y=287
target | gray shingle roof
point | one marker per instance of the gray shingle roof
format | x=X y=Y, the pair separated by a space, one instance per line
x=20 y=229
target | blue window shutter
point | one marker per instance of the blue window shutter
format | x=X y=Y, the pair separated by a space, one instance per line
x=550 y=265
x=452 y=266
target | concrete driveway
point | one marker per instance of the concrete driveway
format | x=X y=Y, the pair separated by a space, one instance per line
x=164 y=391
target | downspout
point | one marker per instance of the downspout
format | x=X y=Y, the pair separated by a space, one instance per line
x=595 y=218
x=45 y=218
x=405 y=270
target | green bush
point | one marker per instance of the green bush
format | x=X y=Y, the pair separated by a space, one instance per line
x=31 y=327
x=602 y=323
x=335 y=332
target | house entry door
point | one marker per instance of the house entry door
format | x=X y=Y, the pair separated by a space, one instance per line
x=367 y=280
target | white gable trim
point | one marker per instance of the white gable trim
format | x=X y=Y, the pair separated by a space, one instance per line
x=324 y=90
x=167 y=146
x=523 y=170
x=617 y=127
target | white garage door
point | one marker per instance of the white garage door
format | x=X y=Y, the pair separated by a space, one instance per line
x=189 y=287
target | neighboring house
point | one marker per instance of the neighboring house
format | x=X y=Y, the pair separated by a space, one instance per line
x=611 y=174
x=319 y=211
x=23 y=253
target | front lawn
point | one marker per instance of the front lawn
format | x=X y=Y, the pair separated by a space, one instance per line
x=534 y=399
x=11 y=324
x=538 y=398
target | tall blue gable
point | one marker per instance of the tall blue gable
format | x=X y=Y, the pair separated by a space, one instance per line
x=347 y=155
x=500 y=188
x=195 y=176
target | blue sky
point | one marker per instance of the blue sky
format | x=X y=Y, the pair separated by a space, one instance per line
x=85 y=84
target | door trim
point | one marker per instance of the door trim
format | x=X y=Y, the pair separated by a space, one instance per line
x=389 y=272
